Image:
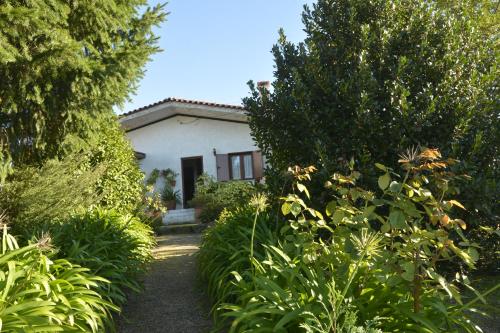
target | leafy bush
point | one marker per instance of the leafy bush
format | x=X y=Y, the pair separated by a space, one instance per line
x=365 y=263
x=213 y=196
x=104 y=173
x=276 y=292
x=41 y=294
x=56 y=190
x=152 y=209
x=374 y=77
x=120 y=185
x=225 y=249
x=114 y=246
x=288 y=294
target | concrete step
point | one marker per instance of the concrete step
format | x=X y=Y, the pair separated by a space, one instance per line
x=179 y=216
x=191 y=228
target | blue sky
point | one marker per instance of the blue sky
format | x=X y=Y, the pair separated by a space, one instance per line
x=213 y=47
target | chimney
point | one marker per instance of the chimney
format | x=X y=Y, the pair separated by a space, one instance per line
x=263 y=87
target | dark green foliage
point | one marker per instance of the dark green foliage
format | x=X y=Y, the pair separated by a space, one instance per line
x=64 y=63
x=213 y=196
x=373 y=78
x=169 y=194
x=43 y=294
x=114 y=246
x=225 y=248
x=154 y=221
x=55 y=191
x=64 y=66
x=362 y=263
x=120 y=186
x=278 y=293
x=103 y=173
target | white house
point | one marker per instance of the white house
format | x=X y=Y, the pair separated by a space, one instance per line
x=192 y=137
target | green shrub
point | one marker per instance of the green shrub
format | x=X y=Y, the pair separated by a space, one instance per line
x=225 y=248
x=374 y=77
x=281 y=288
x=114 y=246
x=213 y=196
x=287 y=294
x=120 y=185
x=103 y=173
x=34 y=195
x=364 y=263
x=41 y=294
x=152 y=209
x=153 y=219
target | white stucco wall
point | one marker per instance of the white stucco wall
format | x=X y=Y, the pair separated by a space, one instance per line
x=167 y=141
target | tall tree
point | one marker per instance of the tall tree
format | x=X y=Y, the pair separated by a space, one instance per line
x=376 y=77
x=373 y=78
x=64 y=63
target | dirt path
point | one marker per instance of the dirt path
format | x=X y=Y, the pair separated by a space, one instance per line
x=171 y=301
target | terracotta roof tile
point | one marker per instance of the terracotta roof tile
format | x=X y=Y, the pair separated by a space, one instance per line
x=186 y=101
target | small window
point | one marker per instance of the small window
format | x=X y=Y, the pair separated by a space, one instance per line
x=241 y=166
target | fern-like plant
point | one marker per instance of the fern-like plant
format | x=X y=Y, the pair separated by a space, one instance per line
x=41 y=294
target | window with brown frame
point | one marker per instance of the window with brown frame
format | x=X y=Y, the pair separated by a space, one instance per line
x=241 y=165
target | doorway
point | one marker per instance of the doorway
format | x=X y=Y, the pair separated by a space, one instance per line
x=192 y=168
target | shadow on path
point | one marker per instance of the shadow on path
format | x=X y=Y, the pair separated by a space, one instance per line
x=170 y=302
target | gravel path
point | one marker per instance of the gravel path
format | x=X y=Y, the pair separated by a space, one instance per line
x=171 y=301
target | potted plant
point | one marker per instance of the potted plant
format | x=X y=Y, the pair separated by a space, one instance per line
x=170 y=197
x=170 y=176
x=153 y=177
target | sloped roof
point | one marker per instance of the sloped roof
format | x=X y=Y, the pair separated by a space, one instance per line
x=186 y=101
x=171 y=107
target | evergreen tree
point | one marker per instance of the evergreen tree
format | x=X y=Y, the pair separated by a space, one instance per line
x=376 y=77
x=65 y=63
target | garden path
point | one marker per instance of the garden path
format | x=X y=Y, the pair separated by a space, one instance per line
x=171 y=301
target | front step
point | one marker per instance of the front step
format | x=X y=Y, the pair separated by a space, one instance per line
x=192 y=228
x=179 y=216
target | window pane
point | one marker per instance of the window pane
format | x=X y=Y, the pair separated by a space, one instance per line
x=247 y=164
x=235 y=167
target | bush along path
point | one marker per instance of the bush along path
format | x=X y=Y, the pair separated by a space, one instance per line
x=171 y=301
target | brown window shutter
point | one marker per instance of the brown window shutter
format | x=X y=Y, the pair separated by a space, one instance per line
x=258 y=168
x=222 y=161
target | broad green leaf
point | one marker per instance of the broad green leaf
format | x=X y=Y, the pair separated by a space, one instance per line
x=302 y=188
x=330 y=208
x=381 y=167
x=473 y=253
x=397 y=219
x=386 y=227
x=384 y=180
x=395 y=186
x=409 y=271
x=368 y=211
x=338 y=216
x=295 y=208
x=285 y=208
